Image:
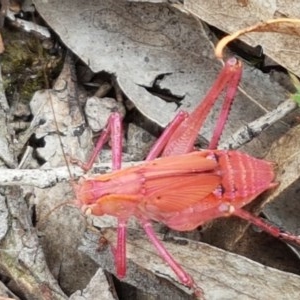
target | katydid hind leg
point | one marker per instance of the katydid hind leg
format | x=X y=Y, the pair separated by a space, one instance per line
x=183 y=138
x=161 y=142
x=267 y=227
x=230 y=94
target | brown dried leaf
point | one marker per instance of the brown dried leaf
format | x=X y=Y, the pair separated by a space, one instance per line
x=230 y=16
x=283 y=25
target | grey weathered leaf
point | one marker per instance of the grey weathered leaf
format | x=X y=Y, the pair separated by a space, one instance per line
x=147 y=45
x=150 y=45
x=284 y=206
x=221 y=274
x=232 y=15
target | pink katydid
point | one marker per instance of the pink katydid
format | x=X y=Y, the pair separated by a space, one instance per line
x=213 y=183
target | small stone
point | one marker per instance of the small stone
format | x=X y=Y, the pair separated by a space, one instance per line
x=98 y=111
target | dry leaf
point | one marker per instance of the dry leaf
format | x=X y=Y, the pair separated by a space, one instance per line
x=153 y=45
x=230 y=16
x=222 y=275
x=147 y=45
x=283 y=25
x=284 y=207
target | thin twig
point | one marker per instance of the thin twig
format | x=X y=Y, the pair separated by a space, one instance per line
x=49 y=177
x=44 y=178
x=246 y=133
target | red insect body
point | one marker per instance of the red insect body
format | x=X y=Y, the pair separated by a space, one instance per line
x=182 y=193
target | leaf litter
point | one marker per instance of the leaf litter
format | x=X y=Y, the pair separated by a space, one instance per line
x=134 y=87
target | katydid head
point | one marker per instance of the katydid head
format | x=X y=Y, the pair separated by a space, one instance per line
x=99 y=197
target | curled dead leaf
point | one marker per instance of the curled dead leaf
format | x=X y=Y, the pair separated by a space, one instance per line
x=281 y=25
